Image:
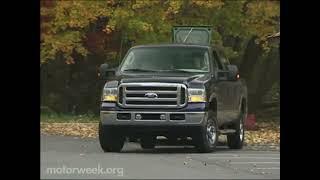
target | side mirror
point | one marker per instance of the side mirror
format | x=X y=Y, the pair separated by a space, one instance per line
x=105 y=72
x=233 y=72
x=222 y=75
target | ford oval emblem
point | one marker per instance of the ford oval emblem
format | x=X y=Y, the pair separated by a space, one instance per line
x=151 y=95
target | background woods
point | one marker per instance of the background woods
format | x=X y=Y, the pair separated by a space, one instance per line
x=78 y=36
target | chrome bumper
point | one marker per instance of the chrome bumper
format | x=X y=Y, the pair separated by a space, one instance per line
x=191 y=118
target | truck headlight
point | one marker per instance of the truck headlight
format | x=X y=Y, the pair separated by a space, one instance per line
x=110 y=94
x=196 y=95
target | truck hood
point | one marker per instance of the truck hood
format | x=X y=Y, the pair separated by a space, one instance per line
x=197 y=80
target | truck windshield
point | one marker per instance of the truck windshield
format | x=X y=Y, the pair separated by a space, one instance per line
x=164 y=59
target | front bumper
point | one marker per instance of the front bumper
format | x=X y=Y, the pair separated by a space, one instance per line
x=191 y=119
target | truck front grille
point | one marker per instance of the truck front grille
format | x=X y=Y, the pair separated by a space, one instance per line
x=152 y=95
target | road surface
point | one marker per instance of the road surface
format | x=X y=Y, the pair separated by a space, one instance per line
x=75 y=158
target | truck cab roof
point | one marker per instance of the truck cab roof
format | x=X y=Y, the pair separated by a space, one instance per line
x=188 y=36
x=172 y=45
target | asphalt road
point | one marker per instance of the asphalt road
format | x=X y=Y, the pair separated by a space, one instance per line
x=75 y=158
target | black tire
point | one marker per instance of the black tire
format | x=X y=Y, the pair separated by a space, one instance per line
x=234 y=140
x=132 y=139
x=148 y=142
x=110 y=141
x=202 y=141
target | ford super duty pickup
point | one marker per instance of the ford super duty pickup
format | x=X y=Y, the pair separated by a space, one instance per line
x=186 y=90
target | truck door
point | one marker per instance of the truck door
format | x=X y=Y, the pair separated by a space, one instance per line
x=232 y=91
x=222 y=89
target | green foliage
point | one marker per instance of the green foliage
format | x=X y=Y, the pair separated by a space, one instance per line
x=151 y=21
x=65 y=43
x=273 y=94
x=69 y=20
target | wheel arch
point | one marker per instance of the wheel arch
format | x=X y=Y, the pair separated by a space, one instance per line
x=213 y=103
x=243 y=106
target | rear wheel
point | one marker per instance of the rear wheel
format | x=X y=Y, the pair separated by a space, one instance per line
x=235 y=141
x=207 y=140
x=110 y=141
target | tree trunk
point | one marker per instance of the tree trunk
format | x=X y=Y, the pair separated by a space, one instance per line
x=269 y=74
x=250 y=58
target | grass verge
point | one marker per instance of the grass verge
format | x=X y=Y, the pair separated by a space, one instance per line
x=68 y=118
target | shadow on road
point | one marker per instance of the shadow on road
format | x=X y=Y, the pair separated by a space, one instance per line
x=169 y=150
x=78 y=145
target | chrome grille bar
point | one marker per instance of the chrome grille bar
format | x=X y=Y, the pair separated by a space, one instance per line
x=168 y=95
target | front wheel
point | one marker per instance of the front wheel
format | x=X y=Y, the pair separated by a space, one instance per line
x=235 y=141
x=110 y=141
x=208 y=138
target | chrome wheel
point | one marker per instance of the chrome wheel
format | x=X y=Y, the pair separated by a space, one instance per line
x=211 y=133
x=236 y=139
x=241 y=130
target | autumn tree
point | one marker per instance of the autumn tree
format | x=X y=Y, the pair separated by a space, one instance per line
x=77 y=36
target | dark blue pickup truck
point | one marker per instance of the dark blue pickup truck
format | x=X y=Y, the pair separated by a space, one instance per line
x=186 y=90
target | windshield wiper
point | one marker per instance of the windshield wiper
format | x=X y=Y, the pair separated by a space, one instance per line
x=174 y=70
x=140 y=70
x=181 y=70
x=169 y=70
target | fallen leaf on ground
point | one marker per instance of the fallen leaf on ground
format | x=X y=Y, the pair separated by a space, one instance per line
x=267 y=133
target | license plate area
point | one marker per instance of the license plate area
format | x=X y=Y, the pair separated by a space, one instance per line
x=150 y=116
